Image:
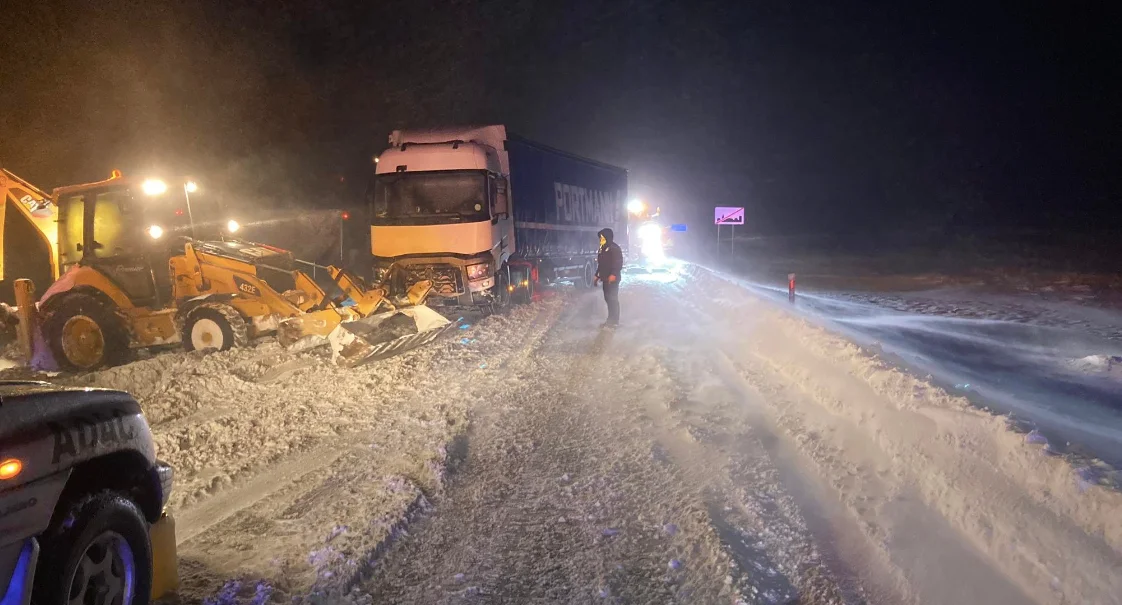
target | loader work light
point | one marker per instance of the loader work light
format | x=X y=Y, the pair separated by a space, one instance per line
x=232 y=226
x=154 y=187
x=155 y=231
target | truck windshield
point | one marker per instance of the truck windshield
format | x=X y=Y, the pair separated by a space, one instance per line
x=430 y=197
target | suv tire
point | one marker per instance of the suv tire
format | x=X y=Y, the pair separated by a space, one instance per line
x=99 y=543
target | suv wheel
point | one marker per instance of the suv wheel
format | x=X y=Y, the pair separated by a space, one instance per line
x=98 y=553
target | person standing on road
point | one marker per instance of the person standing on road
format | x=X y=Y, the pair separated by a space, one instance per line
x=609 y=266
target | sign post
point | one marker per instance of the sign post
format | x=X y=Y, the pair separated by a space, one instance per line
x=731 y=216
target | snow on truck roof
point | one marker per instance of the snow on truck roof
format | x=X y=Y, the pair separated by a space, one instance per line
x=495 y=136
x=486 y=135
x=444 y=155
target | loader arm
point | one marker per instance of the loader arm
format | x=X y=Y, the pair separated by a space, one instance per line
x=40 y=215
x=367 y=302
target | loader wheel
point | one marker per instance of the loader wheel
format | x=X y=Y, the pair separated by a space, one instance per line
x=85 y=334
x=214 y=326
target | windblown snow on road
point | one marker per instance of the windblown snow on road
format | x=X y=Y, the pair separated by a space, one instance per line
x=716 y=448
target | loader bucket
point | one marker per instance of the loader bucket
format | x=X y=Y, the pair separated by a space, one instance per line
x=386 y=334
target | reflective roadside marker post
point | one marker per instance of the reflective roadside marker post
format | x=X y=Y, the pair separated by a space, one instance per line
x=343 y=216
x=791 y=287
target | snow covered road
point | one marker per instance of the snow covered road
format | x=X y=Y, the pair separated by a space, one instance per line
x=1055 y=365
x=788 y=463
x=716 y=448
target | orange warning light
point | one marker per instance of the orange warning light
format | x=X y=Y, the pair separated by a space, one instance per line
x=10 y=468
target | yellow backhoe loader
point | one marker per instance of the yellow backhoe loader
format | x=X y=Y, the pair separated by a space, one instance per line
x=130 y=278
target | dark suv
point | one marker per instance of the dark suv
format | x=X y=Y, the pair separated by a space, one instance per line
x=82 y=498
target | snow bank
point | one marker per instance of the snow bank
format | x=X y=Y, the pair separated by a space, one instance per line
x=893 y=447
x=291 y=472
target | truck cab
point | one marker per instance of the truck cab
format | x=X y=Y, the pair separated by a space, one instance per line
x=441 y=212
x=485 y=214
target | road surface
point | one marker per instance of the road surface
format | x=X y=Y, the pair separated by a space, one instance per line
x=1054 y=366
x=716 y=448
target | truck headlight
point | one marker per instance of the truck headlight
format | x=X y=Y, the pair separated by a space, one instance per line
x=479 y=271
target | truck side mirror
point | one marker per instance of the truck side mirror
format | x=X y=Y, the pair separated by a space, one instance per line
x=502 y=198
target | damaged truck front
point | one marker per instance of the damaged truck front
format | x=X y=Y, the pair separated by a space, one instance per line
x=485 y=215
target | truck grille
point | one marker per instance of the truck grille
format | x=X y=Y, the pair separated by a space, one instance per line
x=446 y=280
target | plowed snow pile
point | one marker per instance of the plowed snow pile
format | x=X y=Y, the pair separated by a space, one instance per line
x=289 y=470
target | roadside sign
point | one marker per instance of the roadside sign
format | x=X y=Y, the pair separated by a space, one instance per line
x=724 y=215
x=681 y=228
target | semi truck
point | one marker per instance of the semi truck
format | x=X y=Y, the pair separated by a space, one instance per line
x=486 y=215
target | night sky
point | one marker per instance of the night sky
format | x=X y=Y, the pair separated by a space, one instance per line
x=817 y=116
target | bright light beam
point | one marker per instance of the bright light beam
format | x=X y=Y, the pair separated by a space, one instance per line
x=153 y=187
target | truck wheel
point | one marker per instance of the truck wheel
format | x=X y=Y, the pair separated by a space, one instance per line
x=501 y=296
x=525 y=287
x=214 y=326
x=99 y=553
x=84 y=333
x=589 y=275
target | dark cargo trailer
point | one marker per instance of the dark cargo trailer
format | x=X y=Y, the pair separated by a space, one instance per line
x=560 y=202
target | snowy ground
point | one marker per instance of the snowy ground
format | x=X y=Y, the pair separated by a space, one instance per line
x=716 y=448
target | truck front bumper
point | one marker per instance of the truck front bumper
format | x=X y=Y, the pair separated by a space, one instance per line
x=451 y=286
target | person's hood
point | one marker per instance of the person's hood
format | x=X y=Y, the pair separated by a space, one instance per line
x=608 y=235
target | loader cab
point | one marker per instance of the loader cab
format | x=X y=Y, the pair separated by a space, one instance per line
x=126 y=235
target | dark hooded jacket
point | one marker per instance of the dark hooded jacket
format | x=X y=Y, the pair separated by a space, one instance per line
x=609 y=261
